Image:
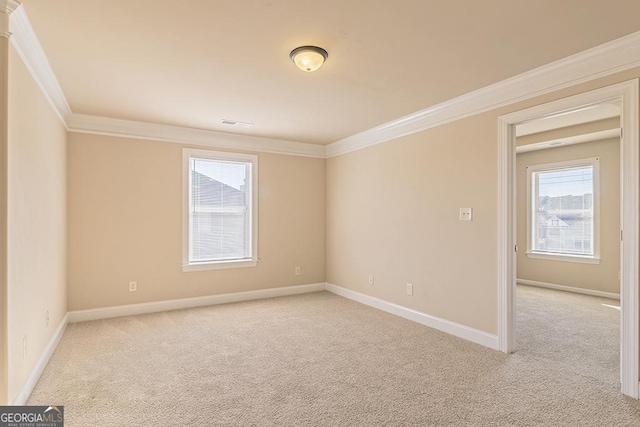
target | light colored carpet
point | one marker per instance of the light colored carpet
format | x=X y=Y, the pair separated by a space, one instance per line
x=321 y=360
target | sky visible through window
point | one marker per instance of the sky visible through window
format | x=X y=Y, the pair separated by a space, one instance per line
x=563 y=213
x=575 y=182
x=229 y=173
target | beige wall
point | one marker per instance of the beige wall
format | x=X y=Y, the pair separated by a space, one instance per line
x=125 y=223
x=37 y=219
x=600 y=277
x=392 y=211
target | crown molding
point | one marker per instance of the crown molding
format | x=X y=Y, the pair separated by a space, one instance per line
x=7 y=7
x=30 y=51
x=570 y=140
x=81 y=123
x=28 y=47
x=609 y=58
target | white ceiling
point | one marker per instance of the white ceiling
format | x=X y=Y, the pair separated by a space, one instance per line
x=194 y=62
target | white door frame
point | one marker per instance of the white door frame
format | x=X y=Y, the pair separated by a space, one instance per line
x=627 y=95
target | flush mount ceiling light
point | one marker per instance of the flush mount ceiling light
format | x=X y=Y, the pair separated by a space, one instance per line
x=308 y=58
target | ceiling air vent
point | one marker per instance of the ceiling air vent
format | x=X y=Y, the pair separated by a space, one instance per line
x=236 y=123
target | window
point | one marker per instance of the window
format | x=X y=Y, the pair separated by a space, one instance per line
x=220 y=210
x=563 y=211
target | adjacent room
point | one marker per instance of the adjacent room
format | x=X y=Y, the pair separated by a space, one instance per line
x=568 y=216
x=320 y=213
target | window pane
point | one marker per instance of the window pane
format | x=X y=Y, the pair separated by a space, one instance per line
x=219 y=217
x=564 y=217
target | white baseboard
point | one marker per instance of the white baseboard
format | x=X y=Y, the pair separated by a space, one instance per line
x=177 y=304
x=569 y=289
x=152 y=307
x=34 y=376
x=447 y=326
x=461 y=331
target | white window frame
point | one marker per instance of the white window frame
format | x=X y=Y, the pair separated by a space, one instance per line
x=187 y=155
x=531 y=221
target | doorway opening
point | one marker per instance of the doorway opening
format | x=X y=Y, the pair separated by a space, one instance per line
x=568 y=238
x=624 y=95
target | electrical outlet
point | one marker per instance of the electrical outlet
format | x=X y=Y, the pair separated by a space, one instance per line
x=466 y=214
x=409 y=289
x=133 y=286
x=46 y=318
x=371 y=280
x=297 y=271
x=24 y=347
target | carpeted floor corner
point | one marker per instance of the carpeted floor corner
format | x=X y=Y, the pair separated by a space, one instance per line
x=322 y=360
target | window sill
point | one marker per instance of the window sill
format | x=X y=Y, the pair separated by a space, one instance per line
x=218 y=265
x=564 y=257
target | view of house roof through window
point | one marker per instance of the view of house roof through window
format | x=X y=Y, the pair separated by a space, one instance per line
x=563 y=208
x=220 y=209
